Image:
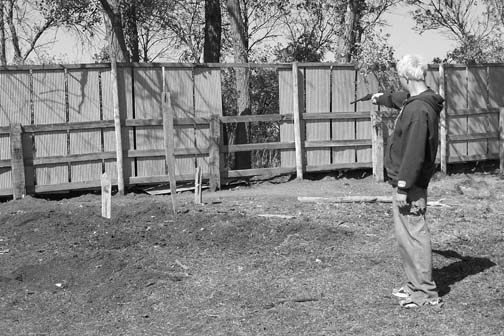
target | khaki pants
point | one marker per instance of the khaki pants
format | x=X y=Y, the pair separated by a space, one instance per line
x=414 y=239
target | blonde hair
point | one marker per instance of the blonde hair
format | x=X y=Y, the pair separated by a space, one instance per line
x=412 y=67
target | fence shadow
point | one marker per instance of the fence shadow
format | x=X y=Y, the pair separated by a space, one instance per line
x=458 y=270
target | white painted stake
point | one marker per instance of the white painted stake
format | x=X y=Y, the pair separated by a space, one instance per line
x=106 y=194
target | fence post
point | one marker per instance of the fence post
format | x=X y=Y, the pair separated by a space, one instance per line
x=300 y=166
x=17 y=162
x=214 y=159
x=377 y=145
x=501 y=142
x=443 y=122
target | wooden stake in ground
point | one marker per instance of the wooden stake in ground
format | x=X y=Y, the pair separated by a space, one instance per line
x=198 y=197
x=106 y=195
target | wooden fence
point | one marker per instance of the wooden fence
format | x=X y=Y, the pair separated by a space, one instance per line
x=57 y=130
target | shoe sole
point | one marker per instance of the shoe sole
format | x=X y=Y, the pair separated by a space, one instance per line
x=400 y=295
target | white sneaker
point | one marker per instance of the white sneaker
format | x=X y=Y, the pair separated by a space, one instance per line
x=401 y=293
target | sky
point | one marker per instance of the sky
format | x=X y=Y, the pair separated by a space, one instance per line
x=402 y=37
x=407 y=41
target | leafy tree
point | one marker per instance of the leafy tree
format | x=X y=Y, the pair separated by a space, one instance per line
x=24 y=23
x=312 y=28
x=362 y=19
x=176 y=26
x=3 y=38
x=114 y=30
x=497 y=9
x=375 y=56
x=316 y=28
x=467 y=22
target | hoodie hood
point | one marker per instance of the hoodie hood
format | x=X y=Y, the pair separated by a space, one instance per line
x=429 y=97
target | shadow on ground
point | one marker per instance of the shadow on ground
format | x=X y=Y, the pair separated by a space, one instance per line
x=457 y=271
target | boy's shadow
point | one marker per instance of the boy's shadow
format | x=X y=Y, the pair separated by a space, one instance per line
x=466 y=266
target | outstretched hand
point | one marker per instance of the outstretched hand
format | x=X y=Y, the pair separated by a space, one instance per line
x=374 y=97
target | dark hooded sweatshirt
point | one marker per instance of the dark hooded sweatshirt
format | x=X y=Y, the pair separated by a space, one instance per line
x=411 y=150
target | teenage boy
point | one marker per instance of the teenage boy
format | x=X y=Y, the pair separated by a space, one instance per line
x=409 y=162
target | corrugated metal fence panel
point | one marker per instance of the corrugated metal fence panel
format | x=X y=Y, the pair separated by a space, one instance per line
x=208 y=101
x=456 y=98
x=496 y=100
x=148 y=88
x=343 y=92
x=477 y=97
x=179 y=81
x=365 y=84
x=15 y=97
x=318 y=100
x=84 y=105
x=5 y=173
x=287 y=156
x=49 y=107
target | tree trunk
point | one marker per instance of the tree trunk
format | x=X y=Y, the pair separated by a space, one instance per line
x=352 y=28
x=3 y=56
x=239 y=37
x=213 y=31
x=18 y=58
x=130 y=18
x=115 y=34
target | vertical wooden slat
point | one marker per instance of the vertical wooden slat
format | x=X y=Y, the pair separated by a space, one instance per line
x=169 y=145
x=208 y=101
x=287 y=156
x=84 y=105
x=343 y=92
x=215 y=159
x=456 y=93
x=363 y=128
x=443 y=123
x=377 y=146
x=318 y=85
x=117 y=90
x=496 y=100
x=49 y=107
x=298 y=123
x=179 y=82
x=148 y=88
x=432 y=79
x=17 y=162
x=477 y=97
x=501 y=140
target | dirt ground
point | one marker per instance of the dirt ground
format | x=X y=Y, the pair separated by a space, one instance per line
x=224 y=268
